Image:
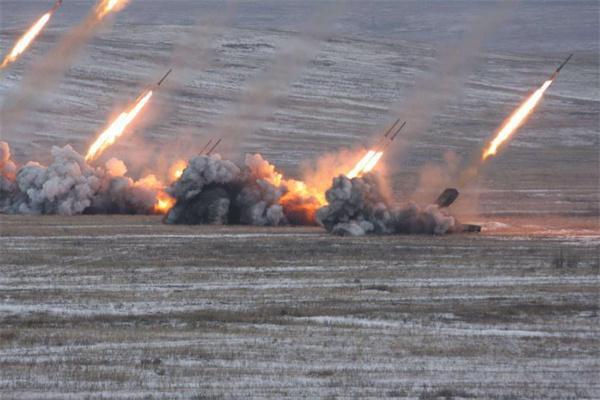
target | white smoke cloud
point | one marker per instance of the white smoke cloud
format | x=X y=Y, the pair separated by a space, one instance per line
x=70 y=186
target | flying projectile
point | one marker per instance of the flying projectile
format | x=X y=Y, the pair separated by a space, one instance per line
x=164 y=77
x=206 y=146
x=397 y=131
x=151 y=88
x=555 y=74
x=56 y=5
x=392 y=127
x=214 y=147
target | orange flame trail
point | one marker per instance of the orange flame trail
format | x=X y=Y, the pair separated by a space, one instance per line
x=116 y=129
x=365 y=164
x=515 y=121
x=106 y=6
x=25 y=40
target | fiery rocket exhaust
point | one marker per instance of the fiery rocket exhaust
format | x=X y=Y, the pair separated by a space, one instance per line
x=28 y=37
x=106 y=6
x=360 y=165
x=370 y=160
x=519 y=116
x=116 y=129
x=515 y=121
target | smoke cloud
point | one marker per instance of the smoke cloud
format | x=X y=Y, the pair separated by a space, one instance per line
x=434 y=89
x=360 y=206
x=216 y=191
x=260 y=96
x=8 y=172
x=70 y=186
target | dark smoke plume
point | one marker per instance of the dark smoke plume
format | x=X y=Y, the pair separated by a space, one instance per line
x=216 y=191
x=359 y=206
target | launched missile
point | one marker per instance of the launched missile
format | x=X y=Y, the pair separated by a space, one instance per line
x=518 y=116
x=56 y=5
x=206 y=146
x=164 y=77
x=392 y=127
x=117 y=127
x=391 y=138
x=214 y=147
x=397 y=131
x=555 y=74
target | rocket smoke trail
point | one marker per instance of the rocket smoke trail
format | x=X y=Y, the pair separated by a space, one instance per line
x=46 y=73
x=29 y=36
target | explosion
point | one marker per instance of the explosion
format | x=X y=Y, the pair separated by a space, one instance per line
x=28 y=37
x=164 y=202
x=116 y=129
x=213 y=190
x=69 y=186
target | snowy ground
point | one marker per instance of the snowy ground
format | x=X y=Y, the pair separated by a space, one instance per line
x=129 y=307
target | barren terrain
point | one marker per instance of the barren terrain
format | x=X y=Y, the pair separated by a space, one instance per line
x=98 y=306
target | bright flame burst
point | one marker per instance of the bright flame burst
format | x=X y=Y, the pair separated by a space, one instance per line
x=117 y=128
x=25 y=40
x=176 y=170
x=300 y=200
x=365 y=164
x=164 y=202
x=106 y=6
x=515 y=120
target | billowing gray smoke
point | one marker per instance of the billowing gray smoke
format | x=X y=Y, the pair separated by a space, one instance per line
x=359 y=206
x=70 y=186
x=216 y=191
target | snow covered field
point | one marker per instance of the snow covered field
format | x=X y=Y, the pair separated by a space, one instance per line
x=128 y=307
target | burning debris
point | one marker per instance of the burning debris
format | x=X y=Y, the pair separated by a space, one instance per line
x=358 y=206
x=28 y=37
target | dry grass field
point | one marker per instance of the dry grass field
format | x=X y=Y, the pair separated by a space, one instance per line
x=126 y=307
